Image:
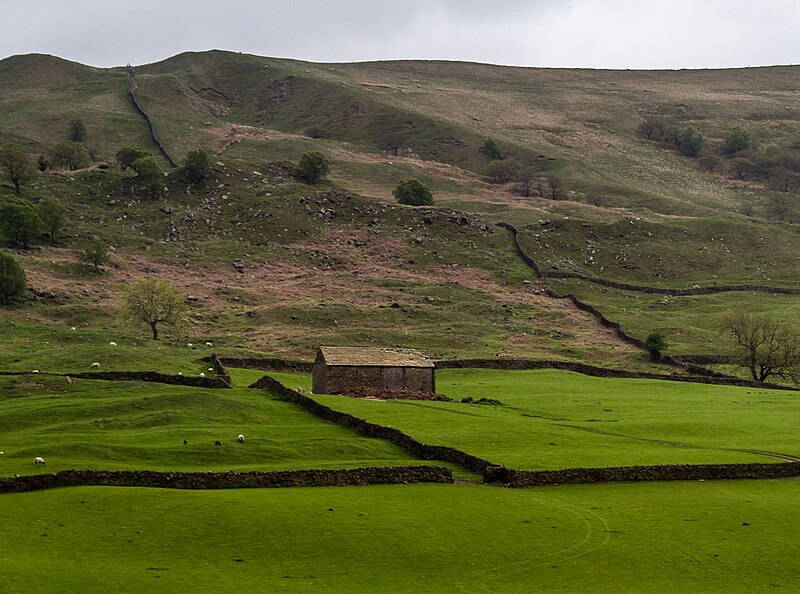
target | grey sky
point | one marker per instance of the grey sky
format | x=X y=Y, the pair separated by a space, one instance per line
x=569 y=33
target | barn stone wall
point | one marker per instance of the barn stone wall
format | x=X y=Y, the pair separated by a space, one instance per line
x=336 y=378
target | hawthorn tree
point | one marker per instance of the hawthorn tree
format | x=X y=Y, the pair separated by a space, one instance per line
x=128 y=155
x=69 y=154
x=491 y=149
x=12 y=279
x=736 y=139
x=393 y=142
x=197 y=165
x=413 y=193
x=16 y=165
x=19 y=219
x=93 y=252
x=52 y=213
x=154 y=302
x=655 y=344
x=149 y=173
x=762 y=344
x=313 y=167
x=77 y=130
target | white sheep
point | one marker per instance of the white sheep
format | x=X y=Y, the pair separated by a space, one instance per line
x=190 y=345
x=95 y=365
x=34 y=371
x=209 y=344
x=240 y=439
x=38 y=461
x=202 y=374
x=112 y=343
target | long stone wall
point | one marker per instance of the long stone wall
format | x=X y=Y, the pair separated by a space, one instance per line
x=379 y=475
x=395 y=436
x=154 y=376
x=667 y=472
x=131 y=87
x=264 y=363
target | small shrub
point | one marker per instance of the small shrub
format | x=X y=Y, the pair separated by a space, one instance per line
x=197 y=165
x=128 y=155
x=736 y=139
x=77 y=131
x=491 y=149
x=655 y=344
x=52 y=213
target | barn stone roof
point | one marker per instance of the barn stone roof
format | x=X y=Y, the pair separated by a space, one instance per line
x=374 y=357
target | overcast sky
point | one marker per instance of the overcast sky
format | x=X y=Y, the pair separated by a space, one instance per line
x=569 y=33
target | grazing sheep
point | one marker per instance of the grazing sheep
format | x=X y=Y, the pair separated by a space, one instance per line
x=1 y=453
x=190 y=345
x=38 y=461
x=35 y=371
x=112 y=343
x=73 y=328
x=209 y=344
x=202 y=374
x=216 y=443
x=95 y=365
x=240 y=439
x=185 y=442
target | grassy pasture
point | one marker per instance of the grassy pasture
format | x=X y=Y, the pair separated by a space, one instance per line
x=557 y=419
x=698 y=537
x=689 y=322
x=133 y=425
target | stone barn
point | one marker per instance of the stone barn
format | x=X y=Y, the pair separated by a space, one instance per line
x=341 y=368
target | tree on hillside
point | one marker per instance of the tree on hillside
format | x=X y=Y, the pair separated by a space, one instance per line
x=763 y=345
x=413 y=193
x=77 y=130
x=52 y=213
x=393 y=142
x=691 y=142
x=655 y=344
x=197 y=165
x=149 y=174
x=502 y=171
x=16 y=165
x=153 y=301
x=42 y=163
x=19 y=219
x=128 y=155
x=491 y=149
x=525 y=178
x=736 y=139
x=69 y=154
x=93 y=252
x=313 y=167
x=12 y=279
x=652 y=128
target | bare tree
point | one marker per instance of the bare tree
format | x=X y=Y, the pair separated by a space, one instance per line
x=525 y=179
x=763 y=345
x=555 y=187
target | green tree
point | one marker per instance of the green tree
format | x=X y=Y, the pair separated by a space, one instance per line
x=77 y=130
x=691 y=142
x=52 y=213
x=652 y=128
x=491 y=149
x=736 y=139
x=413 y=192
x=93 y=252
x=16 y=165
x=655 y=344
x=19 y=219
x=153 y=301
x=69 y=154
x=128 y=155
x=12 y=279
x=501 y=172
x=742 y=168
x=197 y=165
x=763 y=345
x=313 y=167
x=42 y=163
x=149 y=173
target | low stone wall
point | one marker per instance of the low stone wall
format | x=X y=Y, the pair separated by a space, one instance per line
x=528 y=364
x=667 y=472
x=395 y=436
x=385 y=475
x=154 y=376
x=264 y=364
x=219 y=370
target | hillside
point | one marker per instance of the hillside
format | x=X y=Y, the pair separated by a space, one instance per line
x=276 y=266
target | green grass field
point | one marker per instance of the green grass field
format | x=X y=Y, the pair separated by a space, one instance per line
x=667 y=537
x=557 y=419
x=133 y=425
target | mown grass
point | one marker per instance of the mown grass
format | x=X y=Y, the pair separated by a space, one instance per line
x=134 y=425
x=557 y=419
x=700 y=537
